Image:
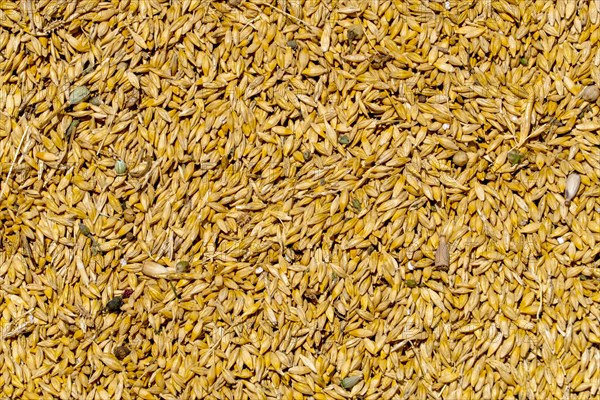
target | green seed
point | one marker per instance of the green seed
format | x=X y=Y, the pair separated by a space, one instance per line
x=79 y=94
x=350 y=381
x=515 y=157
x=523 y=61
x=182 y=267
x=411 y=283
x=120 y=167
x=344 y=139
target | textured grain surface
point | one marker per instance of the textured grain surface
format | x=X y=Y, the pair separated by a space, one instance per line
x=300 y=156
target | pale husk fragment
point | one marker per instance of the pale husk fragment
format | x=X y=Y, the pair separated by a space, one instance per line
x=442 y=254
x=571 y=187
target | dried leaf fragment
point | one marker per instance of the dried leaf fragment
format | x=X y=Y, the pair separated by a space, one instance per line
x=379 y=61
x=132 y=98
x=355 y=32
x=85 y=231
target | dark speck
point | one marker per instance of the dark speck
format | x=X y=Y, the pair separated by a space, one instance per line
x=114 y=306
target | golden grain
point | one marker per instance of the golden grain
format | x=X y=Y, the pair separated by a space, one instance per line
x=313 y=164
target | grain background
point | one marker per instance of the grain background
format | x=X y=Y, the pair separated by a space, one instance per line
x=306 y=159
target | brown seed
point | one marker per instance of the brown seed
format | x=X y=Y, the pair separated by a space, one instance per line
x=128 y=215
x=121 y=352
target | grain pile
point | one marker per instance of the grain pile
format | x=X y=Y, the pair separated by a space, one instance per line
x=297 y=199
